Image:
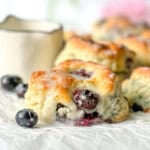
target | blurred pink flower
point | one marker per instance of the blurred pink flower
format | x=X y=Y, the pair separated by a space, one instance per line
x=133 y=9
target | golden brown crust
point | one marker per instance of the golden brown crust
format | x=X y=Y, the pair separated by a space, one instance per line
x=95 y=48
x=44 y=81
x=60 y=76
x=99 y=73
x=107 y=53
x=37 y=78
x=140 y=46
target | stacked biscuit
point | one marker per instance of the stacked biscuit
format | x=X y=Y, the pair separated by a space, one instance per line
x=89 y=81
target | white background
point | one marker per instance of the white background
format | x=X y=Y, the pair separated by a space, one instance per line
x=71 y=13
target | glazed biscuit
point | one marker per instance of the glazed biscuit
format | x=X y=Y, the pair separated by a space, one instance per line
x=112 y=28
x=76 y=90
x=115 y=27
x=118 y=58
x=140 y=46
x=137 y=89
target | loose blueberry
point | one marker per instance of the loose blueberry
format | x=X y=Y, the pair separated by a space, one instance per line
x=21 y=90
x=85 y=99
x=26 y=118
x=136 y=107
x=9 y=82
x=91 y=116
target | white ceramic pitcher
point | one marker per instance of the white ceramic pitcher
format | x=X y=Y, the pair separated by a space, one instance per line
x=26 y=46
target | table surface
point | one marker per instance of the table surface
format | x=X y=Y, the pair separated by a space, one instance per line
x=133 y=134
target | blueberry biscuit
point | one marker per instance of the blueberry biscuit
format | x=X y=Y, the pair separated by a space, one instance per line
x=76 y=90
x=137 y=89
x=111 y=28
x=139 y=45
x=116 y=27
x=118 y=58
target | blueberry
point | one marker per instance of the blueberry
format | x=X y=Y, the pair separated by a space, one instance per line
x=9 y=82
x=91 y=116
x=87 y=121
x=136 y=107
x=26 y=118
x=85 y=99
x=83 y=122
x=21 y=89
